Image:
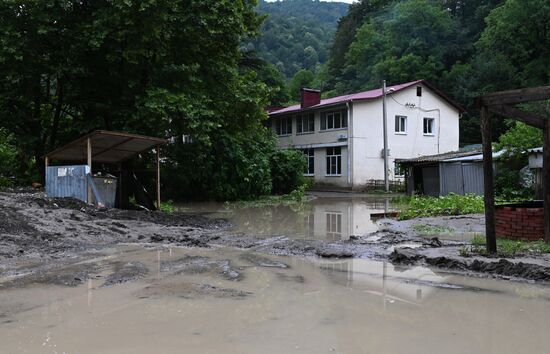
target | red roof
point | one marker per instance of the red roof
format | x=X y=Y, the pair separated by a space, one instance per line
x=366 y=95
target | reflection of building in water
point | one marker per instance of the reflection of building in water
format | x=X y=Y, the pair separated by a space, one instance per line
x=334 y=225
x=343 y=270
x=406 y=285
x=338 y=219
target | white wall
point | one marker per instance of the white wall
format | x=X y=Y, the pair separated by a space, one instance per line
x=367 y=132
x=365 y=135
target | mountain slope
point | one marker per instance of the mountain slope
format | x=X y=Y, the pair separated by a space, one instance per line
x=297 y=33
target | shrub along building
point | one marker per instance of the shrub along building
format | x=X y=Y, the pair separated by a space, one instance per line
x=342 y=137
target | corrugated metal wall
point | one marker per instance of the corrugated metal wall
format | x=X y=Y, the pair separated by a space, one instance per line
x=461 y=178
x=452 y=180
x=473 y=177
x=67 y=181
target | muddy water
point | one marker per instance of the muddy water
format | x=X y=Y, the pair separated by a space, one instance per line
x=323 y=218
x=229 y=301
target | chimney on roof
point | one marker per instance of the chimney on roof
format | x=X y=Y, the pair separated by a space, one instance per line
x=309 y=97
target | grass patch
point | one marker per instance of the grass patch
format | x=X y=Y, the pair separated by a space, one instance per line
x=452 y=204
x=167 y=207
x=426 y=229
x=505 y=248
x=296 y=198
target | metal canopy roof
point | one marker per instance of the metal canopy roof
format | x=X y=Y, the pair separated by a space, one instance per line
x=440 y=157
x=107 y=147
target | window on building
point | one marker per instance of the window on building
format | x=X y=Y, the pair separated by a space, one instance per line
x=419 y=91
x=400 y=124
x=334 y=226
x=305 y=123
x=334 y=161
x=429 y=126
x=310 y=155
x=398 y=170
x=283 y=125
x=337 y=119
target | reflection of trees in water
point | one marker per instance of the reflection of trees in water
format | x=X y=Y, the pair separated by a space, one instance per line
x=274 y=220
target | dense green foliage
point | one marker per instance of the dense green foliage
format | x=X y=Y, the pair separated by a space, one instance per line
x=162 y=68
x=519 y=138
x=297 y=33
x=515 y=142
x=8 y=158
x=452 y=204
x=287 y=168
x=465 y=48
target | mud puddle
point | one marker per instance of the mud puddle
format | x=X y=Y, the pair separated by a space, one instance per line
x=222 y=300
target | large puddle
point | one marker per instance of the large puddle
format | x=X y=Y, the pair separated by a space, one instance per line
x=323 y=218
x=231 y=301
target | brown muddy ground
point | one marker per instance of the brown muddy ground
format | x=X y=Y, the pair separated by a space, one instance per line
x=41 y=238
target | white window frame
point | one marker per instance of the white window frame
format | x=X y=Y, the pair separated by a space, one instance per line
x=305 y=123
x=330 y=116
x=334 y=225
x=430 y=126
x=310 y=156
x=400 y=124
x=286 y=122
x=333 y=159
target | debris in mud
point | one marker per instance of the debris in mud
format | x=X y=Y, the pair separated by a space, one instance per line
x=404 y=256
x=201 y=265
x=190 y=291
x=293 y=278
x=126 y=272
x=262 y=261
x=332 y=252
x=500 y=268
x=71 y=276
x=183 y=240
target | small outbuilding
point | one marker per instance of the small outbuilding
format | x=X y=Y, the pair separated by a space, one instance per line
x=459 y=172
x=81 y=181
x=535 y=164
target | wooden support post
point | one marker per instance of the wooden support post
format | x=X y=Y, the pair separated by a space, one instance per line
x=488 y=180
x=546 y=180
x=89 y=162
x=46 y=162
x=158 y=177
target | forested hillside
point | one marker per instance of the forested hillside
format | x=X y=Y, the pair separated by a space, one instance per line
x=297 y=34
x=464 y=47
x=165 y=68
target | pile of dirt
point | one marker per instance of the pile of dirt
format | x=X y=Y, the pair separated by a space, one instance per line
x=32 y=225
x=502 y=268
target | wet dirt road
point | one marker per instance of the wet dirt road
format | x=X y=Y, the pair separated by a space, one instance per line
x=222 y=300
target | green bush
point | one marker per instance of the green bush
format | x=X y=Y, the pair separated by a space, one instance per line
x=8 y=158
x=452 y=204
x=287 y=168
x=508 y=186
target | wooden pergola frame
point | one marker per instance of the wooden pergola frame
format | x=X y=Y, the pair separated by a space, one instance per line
x=503 y=104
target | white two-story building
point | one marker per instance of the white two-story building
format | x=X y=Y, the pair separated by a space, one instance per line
x=343 y=136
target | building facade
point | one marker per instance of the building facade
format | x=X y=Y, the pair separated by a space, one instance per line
x=342 y=137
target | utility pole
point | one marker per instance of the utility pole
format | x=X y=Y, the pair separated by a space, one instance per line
x=385 y=119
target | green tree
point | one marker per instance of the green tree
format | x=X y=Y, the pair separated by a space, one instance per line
x=297 y=33
x=408 y=43
x=8 y=158
x=303 y=78
x=520 y=39
x=161 y=67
